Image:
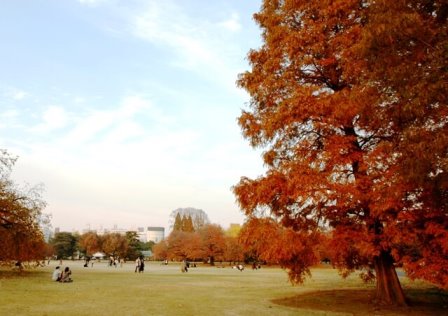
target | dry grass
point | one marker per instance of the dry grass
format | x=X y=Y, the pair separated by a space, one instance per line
x=164 y=290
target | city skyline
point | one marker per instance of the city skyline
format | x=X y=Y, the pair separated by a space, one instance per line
x=117 y=227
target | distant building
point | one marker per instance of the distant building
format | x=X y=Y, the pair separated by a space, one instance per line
x=150 y=233
x=145 y=234
x=48 y=234
x=116 y=230
x=155 y=234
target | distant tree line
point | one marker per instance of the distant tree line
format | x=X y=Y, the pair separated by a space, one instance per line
x=208 y=244
x=68 y=245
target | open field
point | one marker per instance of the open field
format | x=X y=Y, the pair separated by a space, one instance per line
x=164 y=290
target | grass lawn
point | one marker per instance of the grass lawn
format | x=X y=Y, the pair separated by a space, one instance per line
x=164 y=290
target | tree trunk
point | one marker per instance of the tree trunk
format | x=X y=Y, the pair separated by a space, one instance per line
x=388 y=287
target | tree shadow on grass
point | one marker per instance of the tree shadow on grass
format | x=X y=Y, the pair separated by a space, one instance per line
x=361 y=302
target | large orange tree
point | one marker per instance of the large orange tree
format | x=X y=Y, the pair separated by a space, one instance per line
x=348 y=99
x=213 y=242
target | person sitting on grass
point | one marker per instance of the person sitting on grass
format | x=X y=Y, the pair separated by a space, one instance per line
x=56 y=274
x=66 y=275
x=239 y=267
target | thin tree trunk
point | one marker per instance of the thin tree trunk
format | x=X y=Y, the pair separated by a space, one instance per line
x=388 y=287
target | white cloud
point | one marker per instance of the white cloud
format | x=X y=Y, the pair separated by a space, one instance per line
x=124 y=131
x=202 y=46
x=132 y=163
x=91 y=2
x=132 y=105
x=16 y=94
x=95 y=124
x=9 y=119
x=19 y=95
x=165 y=24
x=232 y=24
x=10 y=114
x=79 y=100
x=54 y=117
x=205 y=45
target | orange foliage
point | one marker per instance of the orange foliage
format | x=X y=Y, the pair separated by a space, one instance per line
x=177 y=245
x=233 y=251
x=160 y=250
x=114 y=244
x=20 y=215
x=208 y=243
x=271 y=242
x=90 y=243
x=349 y=99
x=213 y=242
x=193 y=246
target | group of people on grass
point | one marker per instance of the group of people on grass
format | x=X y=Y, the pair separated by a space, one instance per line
x=62 y=276
x=115 y=261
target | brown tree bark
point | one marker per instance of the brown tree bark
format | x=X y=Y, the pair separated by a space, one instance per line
x=388 y=287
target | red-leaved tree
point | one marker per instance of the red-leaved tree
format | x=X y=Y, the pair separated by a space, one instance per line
x=348 y=98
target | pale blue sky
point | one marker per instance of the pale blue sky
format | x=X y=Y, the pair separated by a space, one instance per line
x=126 y=110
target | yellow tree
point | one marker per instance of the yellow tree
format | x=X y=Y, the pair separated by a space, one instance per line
x=89 y=243
x=115 y=244
x=233 y=230
x=348 y=98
